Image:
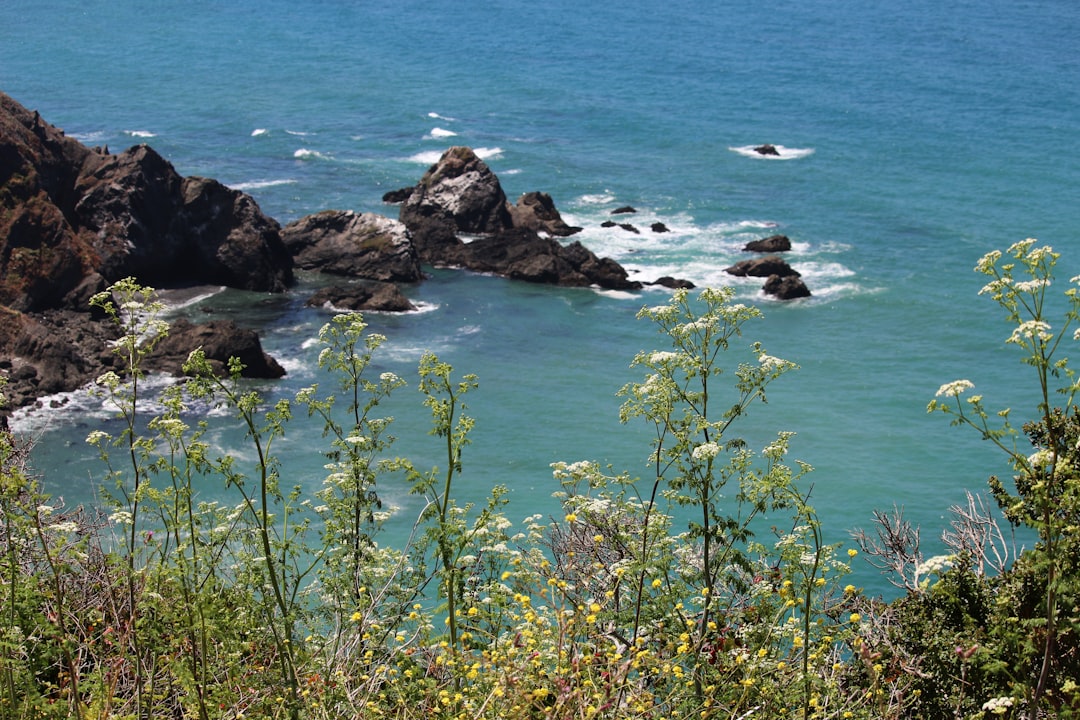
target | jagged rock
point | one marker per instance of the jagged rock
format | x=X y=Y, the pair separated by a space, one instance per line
x=761 y=267
x=361 y=245
x=55 y=351
x=461 y=194
x=396 y=197
x=462 y=189
x=629 y=228
x=767 y=149
x=625 y=209
x=609 y=224
x=220 y=340
x=788 y=287
x=362 y=295
x=68 y=211
x=536 y=211
x=673 y=283
x=524 y=255
x=771 y=244
x=164 y=229
x=659 y=227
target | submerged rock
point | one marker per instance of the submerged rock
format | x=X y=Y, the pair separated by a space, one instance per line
x=220 y=340
x=788 y=287
x=767 y=149
x=761 y=267
x=360 y=296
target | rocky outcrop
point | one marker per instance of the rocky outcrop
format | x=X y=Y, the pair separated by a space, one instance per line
x=220 y=340
x=360 y=296
x=790 y=287
x=460 y=195
x=536 y=211
x=358 y=245
x=460 y=190
x=767 y=149
x=68 y=211
x=74 y=219
x=523 y=254
x=771 y=244
x=761 y=267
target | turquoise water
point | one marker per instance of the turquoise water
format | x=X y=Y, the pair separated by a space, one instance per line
x=917 y=137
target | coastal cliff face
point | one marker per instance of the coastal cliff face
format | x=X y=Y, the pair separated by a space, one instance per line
x=69 y=212
x=75 y=219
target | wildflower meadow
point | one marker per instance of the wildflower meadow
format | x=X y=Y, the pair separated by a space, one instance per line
x=661 y=596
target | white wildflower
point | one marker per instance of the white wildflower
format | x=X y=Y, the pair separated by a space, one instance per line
x=1042 y=458
x=121 y=517
x=65 y=527
x=769 y=363
x=389 y=378
x=987 y=261
x=954 y=388
x=660 y=357
x=1020 y=248
x=706 y=451
x=1030 y=330
x=97 y=437
x=45 y=510
x=1031 y=286
x=998 y=705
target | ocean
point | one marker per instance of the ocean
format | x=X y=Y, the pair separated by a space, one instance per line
x=914 y=138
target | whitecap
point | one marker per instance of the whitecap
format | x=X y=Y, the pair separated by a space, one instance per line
x=298 y=133
x=439 y=132
x=90 y=137
x=259 y=184
x=512 y=171
x=487 y=153
x=140 y=133
x=429 y=157
x=259 y=131
x=305 y=154
x=437 y=116
x=595 y=199
x=785 y=153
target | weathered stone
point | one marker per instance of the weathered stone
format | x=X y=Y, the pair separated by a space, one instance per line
x=788 y=287
x=771 y=244
x=659 y=227
x=536 y=211
x=360 y=296
x=360 y=245
x=625 y=209
x=462 y=189
x=767 y=149
x=219 y=340
x=761 y=267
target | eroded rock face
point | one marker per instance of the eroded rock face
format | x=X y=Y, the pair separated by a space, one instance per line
x=536 y=211
x=761 y=267
x=771 y=244
x=364 y=295
x=462 y=190
x=68 y=211
x=790 y=287
x=359 y=245
x=220 y=340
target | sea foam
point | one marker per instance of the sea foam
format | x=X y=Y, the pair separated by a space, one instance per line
x=785 y=153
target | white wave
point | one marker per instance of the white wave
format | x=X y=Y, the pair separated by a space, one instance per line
x=186 y=297
x=785 y=153
x=512 y=171
x=259 y=131
x=488 y=153
x=259 y=184
x=140 y=133
x=439 y=132
x=89 y=137
x=72 y=407
x=437 y=116
x=595 y=199
x=429 y=157
x=305 y=154
x=298 y=133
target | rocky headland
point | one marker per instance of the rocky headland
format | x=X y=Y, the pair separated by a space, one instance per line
x=75 y=219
